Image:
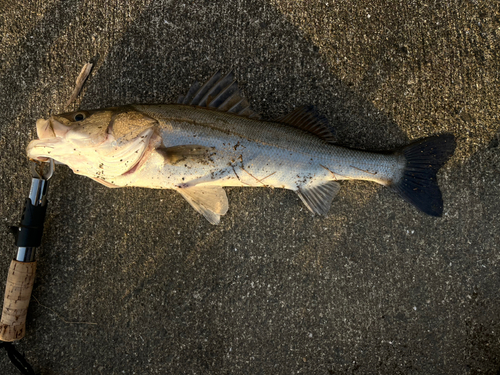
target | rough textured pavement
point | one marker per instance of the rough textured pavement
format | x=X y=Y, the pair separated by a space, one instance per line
x=134 y=281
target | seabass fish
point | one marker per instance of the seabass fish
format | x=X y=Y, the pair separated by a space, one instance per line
x=211 y=139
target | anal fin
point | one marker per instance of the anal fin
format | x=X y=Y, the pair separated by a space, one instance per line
x=210 y=201
x=318 y=198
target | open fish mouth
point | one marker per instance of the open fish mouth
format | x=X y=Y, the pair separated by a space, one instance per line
x=50 y=133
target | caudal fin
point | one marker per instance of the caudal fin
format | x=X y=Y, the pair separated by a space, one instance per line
x=418 y=184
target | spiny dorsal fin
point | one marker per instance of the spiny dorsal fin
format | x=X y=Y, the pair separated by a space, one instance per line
x=319 y=198
x=307 y=118
x=220 y=93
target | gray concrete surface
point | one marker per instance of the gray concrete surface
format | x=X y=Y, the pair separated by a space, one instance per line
x=375 y=287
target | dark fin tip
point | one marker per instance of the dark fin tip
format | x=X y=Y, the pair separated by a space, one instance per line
x=418 y=184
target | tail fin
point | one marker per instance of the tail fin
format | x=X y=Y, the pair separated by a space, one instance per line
x=418 y=184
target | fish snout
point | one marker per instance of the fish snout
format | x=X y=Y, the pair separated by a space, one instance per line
x=46 y=129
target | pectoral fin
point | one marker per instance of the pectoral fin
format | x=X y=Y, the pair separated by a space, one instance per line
x=318 y=198
x=191 y=155
x=210 y=201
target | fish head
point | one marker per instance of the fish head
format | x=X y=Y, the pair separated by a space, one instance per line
x=99 y=144
x=85 y=128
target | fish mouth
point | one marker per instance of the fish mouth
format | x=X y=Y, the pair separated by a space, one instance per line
x=46 y=129
x=41 y=149
x=50 y=134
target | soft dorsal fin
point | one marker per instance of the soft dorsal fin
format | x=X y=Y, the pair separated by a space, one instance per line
x=220 y=93
x=307 y=118
x=319 y=198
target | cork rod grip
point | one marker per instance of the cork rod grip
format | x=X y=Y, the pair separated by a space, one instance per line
x=17 y=298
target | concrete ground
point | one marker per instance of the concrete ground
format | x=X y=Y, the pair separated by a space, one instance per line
x=134 y=281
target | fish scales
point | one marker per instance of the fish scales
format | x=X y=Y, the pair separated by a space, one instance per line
x=266 y=147
x=213 y=139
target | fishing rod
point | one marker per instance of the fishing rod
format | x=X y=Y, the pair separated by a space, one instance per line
x=21 y=276
x=28 y=236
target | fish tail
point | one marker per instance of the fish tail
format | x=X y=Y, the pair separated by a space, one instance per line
x=418 y=183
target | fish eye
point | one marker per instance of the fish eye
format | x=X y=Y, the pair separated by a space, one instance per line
x=79 y=117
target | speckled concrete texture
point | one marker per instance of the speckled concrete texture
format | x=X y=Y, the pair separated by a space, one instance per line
x=134 y=281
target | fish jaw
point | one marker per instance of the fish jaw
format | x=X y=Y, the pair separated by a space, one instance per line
x=45 y=148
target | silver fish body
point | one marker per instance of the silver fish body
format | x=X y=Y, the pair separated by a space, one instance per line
x=197 y=150
x=246 y=152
